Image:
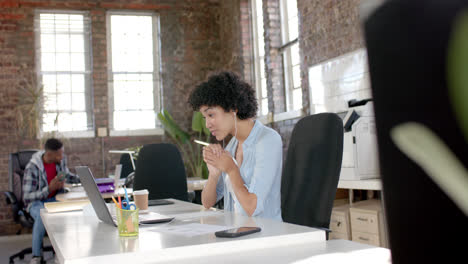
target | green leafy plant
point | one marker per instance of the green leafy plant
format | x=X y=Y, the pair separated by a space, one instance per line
x=191 y=151
x=30 y=105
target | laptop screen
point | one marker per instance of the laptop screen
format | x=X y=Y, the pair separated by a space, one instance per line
x=99 y=206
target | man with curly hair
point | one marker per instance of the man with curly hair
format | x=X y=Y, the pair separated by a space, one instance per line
x=247 y=173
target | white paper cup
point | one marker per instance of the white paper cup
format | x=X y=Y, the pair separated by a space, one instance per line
x=141 y=199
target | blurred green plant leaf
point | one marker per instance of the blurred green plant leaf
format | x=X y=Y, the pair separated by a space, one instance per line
x=457 y=70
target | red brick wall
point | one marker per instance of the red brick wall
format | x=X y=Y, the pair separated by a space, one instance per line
x=193 y=37
x=327 y=29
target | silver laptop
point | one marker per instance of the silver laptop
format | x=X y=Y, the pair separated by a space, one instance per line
x=100 y=207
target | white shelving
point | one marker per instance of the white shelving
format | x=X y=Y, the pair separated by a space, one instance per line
x=371 y=184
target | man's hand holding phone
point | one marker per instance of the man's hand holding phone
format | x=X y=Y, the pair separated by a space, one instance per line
x=57 y=183
x=61 y=176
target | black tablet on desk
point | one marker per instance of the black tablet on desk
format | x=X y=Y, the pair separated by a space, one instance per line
x=156 y=202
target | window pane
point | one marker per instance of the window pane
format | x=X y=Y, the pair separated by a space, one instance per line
x=133 y=91
x=134 y=120
x=78 y=103
x=47 y=42
x=78 y=83
x=264 y=88
x=77 y=62
x=264 y=106
x=63 y=83
x=62 y=43
x=292 y=8
x=63 y=62
x=262 y=68
x=50 y=102
x=76 y=23
x=80 y=122
x=64 y=102
x=49 y=122
x=297 y=99
x=49 y=83
x=63 y=50
x=48 y=61
x=293 y=28
x=132 y=43
x=65 y=122
x=295 y=59
x=296 y=71
x=77 y=43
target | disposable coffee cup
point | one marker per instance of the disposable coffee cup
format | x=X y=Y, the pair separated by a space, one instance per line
x=141 y=199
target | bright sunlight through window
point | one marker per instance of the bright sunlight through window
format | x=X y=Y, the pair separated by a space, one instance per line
x=133 y=71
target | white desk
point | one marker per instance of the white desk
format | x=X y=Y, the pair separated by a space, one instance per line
x=77 y=238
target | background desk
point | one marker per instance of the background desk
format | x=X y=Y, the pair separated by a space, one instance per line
x=77 y=238
x=78 y=193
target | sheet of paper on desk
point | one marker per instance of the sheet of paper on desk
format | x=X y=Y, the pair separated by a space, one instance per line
x=198 y=214
x=192 y=229
x=56 y=207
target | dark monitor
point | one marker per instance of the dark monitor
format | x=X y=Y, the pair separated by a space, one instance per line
x=407 y=43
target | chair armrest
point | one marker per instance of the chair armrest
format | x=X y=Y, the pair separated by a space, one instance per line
x=10 y=198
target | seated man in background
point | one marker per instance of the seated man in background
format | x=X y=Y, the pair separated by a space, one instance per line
x=44 y=177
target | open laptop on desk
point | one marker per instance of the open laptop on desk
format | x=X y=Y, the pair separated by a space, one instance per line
x=100 y=207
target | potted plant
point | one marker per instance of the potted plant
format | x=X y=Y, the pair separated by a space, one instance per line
x=192 y=152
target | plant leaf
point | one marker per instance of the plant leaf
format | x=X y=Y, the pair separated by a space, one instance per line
x=197 y=122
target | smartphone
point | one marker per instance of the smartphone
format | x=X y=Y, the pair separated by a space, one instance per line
x=237 y=232
x=61 y=176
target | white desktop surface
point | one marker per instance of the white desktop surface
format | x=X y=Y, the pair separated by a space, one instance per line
x=78 y=238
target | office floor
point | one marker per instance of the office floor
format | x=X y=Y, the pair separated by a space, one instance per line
x=13 y=244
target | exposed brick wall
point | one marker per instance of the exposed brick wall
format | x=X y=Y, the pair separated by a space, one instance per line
x=193 y=33
x=327 y=29
x=273 y=58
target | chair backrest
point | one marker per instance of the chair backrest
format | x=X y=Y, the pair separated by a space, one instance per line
x=410 y=83
x=16 y=165
x=160 y=169
x=127 y=167
x=311 y=170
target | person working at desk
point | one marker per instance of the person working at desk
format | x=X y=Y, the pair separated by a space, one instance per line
x=44 y=177
x=250 y=182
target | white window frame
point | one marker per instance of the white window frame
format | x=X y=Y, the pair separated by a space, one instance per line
x=257 y=61
x=87 y=73
x=157 y=86
x=287 y=66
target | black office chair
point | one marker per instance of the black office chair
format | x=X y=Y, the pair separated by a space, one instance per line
x=16 y=164
x=311 y=170
x=160 y=169
x=410 y=83
x=127 y=167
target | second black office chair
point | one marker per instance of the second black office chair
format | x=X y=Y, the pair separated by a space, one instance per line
x=160 y=169
x=16 y=164
x=311 y=170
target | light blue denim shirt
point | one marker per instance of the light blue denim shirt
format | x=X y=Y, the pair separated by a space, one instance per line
x=261 y=171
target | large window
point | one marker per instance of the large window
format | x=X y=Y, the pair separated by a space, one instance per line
x=133 y=72
x=292 y=68
x=259 y=54
x=63 y=40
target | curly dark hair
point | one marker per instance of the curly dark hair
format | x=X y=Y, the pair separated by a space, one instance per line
x=228 y=91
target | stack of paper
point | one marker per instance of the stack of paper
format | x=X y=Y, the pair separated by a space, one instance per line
x=56 y=207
